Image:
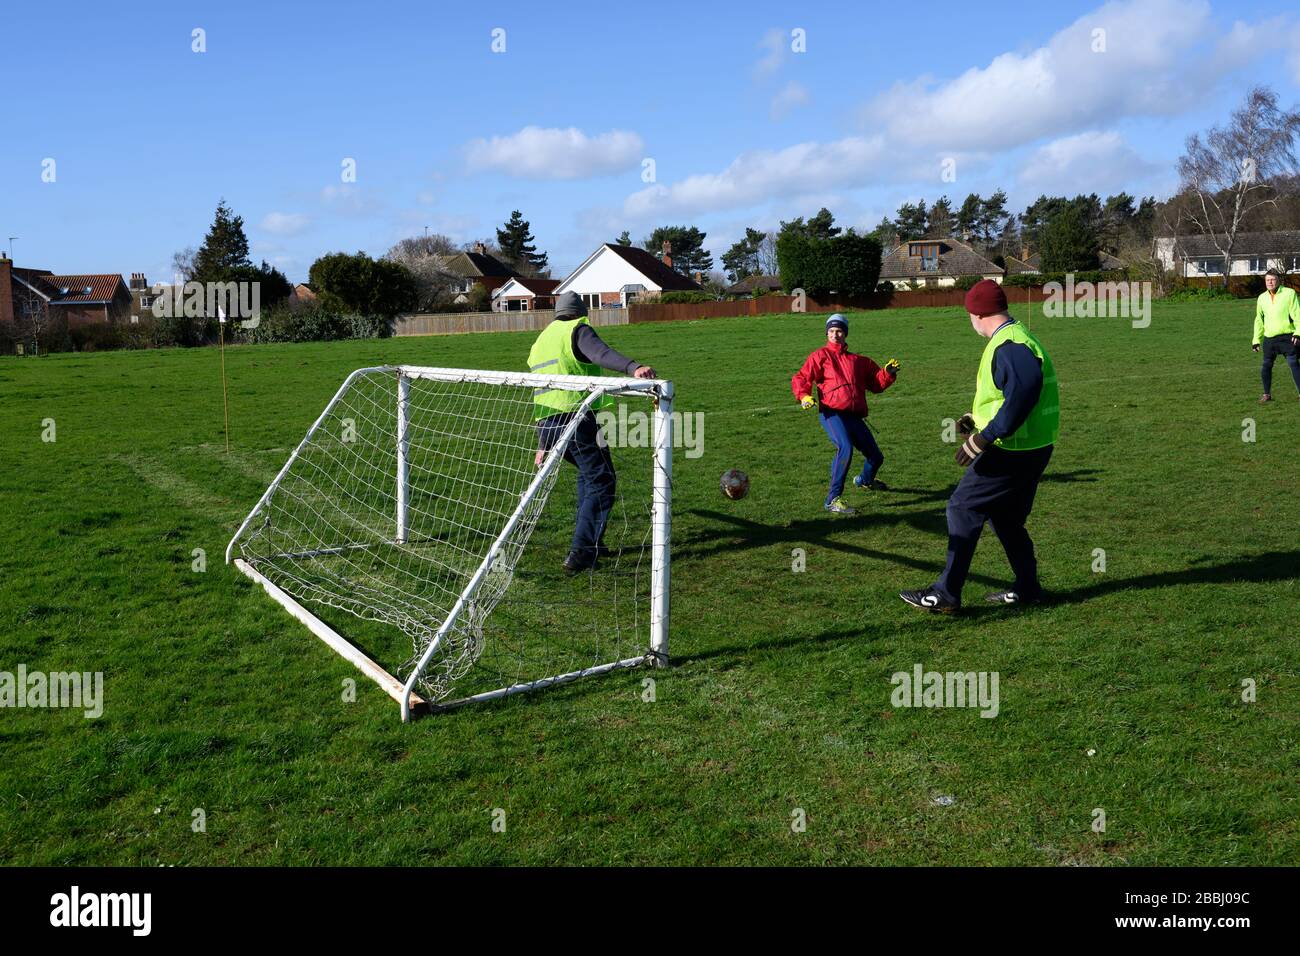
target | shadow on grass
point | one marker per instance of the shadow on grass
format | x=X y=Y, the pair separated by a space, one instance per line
x=1269 y=566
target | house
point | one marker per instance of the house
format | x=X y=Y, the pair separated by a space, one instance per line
x=38 y=295
x=935 y=262
x=302 y=295
x=1253 y=253
x=614 y=276
x=525 y=294
x=1032 y=264
x=755 y=285
x=473 y=266
x=142 y=297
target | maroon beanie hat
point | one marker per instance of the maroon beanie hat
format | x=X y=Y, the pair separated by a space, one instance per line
x=986 y=298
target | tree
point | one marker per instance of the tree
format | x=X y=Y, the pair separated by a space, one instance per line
x=848 y=265
x=744 y=258
x=225 y=247
x=885 y=233
x=624 y=239
x=968 y=217
x=1236 y=169
x=941 y=219
x=183 y=263
x=913 y=221
x=687 y=248
x=518 y=248
x=820 y=226
x=992 y=216
x=361 y=285
x=425 y=257
x=1069 y=243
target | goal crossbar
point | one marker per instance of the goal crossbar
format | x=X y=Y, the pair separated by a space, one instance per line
x=411 y=702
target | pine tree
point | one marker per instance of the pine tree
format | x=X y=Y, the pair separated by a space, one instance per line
x=624 y=239
x=518 y=246
x=224 y=248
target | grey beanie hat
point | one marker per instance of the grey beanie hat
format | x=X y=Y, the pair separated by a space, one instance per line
x=570 y=305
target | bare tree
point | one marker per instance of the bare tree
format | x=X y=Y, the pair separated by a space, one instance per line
x=32 y=318
x=425 y=258
x=1237 y=169
x=183 y=263
x=765 y=254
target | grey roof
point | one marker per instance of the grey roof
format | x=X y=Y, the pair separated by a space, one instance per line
x=1034 y=263
x=1281 y=242
x=474 y=264
x=955 y=259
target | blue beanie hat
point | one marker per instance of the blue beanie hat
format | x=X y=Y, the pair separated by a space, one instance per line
x=837 y=319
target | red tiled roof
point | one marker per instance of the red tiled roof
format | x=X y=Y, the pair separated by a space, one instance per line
x=102 y=288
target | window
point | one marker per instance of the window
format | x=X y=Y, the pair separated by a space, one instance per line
x=1258 y=264
x=146 y=301
x=930 y=263
x=1293 y=263
x=591 y=299
x=1211 y=265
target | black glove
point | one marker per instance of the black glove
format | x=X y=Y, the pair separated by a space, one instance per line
x=965 y=424
x=970 y=449
x=1254 y=348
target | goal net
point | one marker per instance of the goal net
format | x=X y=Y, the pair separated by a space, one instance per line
x=420 y=503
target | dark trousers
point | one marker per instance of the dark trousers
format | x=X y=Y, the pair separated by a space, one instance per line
x=1274 y=346
x=999 y=488
x=596 y=480
x=848 y=431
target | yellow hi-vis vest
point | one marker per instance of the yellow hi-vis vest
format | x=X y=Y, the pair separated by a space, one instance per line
x=552 y=354
x=1044 y=422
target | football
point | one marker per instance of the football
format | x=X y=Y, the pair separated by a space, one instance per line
x=735 y=484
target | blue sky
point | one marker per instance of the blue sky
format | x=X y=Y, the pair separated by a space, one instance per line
x=146 y=134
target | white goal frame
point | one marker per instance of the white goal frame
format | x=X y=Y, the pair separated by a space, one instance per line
x=658 y=390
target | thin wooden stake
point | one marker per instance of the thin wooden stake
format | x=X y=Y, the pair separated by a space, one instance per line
x=225 y=408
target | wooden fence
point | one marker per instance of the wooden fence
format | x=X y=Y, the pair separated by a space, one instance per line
x=457 y=323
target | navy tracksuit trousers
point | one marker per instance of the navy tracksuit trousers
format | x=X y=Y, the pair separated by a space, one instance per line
x=998 y=488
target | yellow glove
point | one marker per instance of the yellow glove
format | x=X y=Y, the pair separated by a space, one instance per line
x=807 y=401
x=892 y=367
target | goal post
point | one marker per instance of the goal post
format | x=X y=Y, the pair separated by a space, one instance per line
x=419 y=502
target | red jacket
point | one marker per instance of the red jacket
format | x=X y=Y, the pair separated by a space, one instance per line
x=842 y=378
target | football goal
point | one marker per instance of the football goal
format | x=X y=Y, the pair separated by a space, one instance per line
x=420 y=503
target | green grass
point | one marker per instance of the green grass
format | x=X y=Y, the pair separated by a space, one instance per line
x=779 y=695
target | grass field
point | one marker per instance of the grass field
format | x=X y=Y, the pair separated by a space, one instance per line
x=1125 y=695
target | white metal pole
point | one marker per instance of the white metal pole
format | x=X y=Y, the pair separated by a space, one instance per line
x=662 y=525
x=403 y=449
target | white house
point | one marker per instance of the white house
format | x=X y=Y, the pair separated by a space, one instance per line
x=525 y=294
x=1253 y=253
x=613 y=276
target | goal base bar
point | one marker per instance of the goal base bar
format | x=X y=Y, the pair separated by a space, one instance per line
x=543 y=683
x=340 y=644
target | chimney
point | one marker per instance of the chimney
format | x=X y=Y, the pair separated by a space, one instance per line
x=137 y=282
x=1024 y=253
x=6 y=289
x=480 y=248
x=667 y=257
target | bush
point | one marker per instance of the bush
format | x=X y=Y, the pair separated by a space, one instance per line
x=965 y=283
x=885 y=286
x=848 y=265
x=178 y=330
x=314 y=324
x=669 y=298
x=1189 y=293
x=1032 y=280
x=95 y=337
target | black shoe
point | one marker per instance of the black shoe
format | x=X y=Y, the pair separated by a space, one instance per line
x=928 y=599
x=1014 y=597
x=576 y=563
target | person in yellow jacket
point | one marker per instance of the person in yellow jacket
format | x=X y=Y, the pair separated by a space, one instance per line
x=1277 y=330
x=570 y=346
x=1010 y=433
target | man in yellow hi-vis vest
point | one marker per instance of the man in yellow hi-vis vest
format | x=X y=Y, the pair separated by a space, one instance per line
x=570 y=346
x=1009 y=436
x=1277 y=330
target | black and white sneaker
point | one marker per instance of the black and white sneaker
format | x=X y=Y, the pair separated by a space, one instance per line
x=928 y=599
x=1013 y=597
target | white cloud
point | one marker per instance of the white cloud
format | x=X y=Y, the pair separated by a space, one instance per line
x=1149 y=64
x=1094 y=161
x=792 y=95
x=550 y=153
x=775 y=43
x=761 y=175
x=350 y=199
x=285 y=223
